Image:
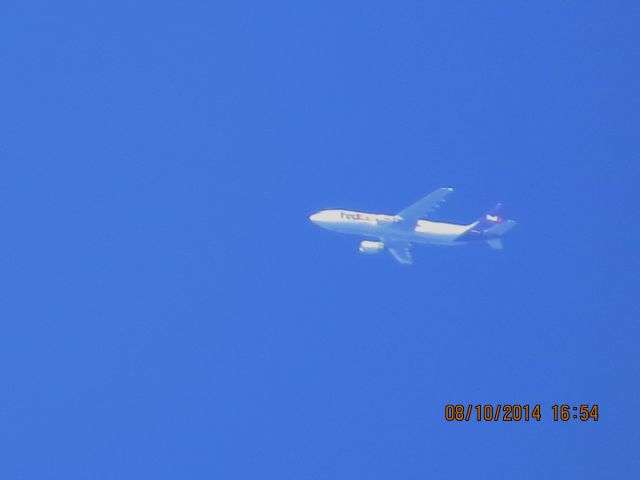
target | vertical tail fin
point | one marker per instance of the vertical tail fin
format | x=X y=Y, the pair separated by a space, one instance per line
x=491 y=219
x=494 y=225
x=490 y=227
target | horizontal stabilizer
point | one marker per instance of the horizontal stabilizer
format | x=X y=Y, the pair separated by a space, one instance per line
x=501 y=228
x=495 y=243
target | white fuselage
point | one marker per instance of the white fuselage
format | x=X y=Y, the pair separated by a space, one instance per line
x=389 y=228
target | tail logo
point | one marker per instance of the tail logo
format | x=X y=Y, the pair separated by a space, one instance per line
x=493 y=218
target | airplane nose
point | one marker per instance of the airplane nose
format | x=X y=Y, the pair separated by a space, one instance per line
x=315 y=217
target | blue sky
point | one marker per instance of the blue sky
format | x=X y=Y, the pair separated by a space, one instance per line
x=169 y=312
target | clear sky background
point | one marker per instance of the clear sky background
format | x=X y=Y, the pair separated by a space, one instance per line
x=168 y=311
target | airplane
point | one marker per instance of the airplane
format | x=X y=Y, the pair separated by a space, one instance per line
x=397 y=233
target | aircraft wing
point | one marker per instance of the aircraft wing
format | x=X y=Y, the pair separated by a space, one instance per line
x=421 y=208
x=401 y=252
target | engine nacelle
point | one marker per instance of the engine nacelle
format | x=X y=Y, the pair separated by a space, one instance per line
x=369 y=248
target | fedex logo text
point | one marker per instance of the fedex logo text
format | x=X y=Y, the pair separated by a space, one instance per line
x=354 y=216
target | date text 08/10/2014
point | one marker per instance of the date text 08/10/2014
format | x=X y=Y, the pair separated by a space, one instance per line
x=515 y=412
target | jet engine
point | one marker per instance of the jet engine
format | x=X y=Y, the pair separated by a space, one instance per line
x=369 y=248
